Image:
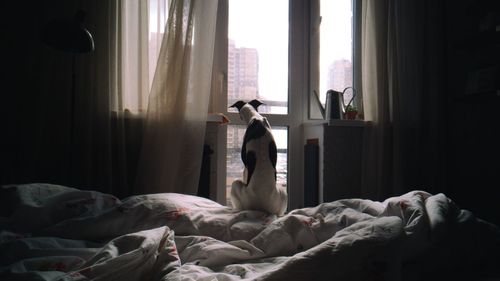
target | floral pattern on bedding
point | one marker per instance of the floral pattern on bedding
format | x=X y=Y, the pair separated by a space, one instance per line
x=181 y=237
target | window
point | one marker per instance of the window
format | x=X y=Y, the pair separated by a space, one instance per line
x=335 y=48
x=278 y=51
x=258 y=54
x=269 y=54
x=332 y=52
x=257 y=68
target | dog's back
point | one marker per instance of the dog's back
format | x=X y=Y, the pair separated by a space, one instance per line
x=258 y=188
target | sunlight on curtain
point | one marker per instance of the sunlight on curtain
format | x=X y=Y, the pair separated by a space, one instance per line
x=141 y=30
x=376 y=67
x=178 y=102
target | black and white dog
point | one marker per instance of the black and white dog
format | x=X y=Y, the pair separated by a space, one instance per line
x=258 y=190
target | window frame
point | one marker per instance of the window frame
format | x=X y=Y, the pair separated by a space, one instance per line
x=299 y=89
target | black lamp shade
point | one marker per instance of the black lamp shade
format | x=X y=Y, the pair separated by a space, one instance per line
x=68 y=35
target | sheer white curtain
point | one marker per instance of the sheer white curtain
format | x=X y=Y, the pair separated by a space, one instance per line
x=170 y=159
x=140 y=33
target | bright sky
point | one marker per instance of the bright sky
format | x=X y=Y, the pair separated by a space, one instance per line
x=263 y=24
x=336 y=39
x=266 y=29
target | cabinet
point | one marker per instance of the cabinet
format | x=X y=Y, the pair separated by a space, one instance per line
x=339 y=159
x=213 y=175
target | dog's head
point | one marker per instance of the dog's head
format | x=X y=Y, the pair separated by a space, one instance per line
x=248 y=110
x=254 y=103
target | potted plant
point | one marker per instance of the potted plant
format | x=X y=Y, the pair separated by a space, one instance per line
x=351 y=112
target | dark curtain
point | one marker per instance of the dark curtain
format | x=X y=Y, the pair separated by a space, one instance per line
x=404 y=46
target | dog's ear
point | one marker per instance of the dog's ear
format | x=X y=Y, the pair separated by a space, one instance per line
x=255 y=104
x=239 y=104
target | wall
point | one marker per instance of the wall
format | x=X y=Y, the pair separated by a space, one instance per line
x=30 y=130
x=473 y=107
x=36 y=143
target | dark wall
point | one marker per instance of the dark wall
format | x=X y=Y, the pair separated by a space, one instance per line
x=473 y=113
x=23 y=104
x=36 y=127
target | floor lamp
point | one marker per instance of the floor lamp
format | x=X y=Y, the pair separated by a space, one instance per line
x=69 y=36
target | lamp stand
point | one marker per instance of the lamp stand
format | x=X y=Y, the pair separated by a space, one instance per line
x=72 y=120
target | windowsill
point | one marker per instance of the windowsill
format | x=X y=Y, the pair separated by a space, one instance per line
x=129 y=114
x=218 y=118
x=338 y=123
x=211 y=117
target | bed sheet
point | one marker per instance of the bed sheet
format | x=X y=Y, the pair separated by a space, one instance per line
x=52 y=232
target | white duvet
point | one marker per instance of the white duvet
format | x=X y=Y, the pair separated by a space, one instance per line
x=50 y=232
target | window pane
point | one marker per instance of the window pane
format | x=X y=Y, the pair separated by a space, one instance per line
x=336 y=47
x=258 y=53
x=235 y=166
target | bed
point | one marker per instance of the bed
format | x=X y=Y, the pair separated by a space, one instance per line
x=53 y=232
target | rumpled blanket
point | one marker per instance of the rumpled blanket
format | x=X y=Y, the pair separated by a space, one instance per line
x=53 y=232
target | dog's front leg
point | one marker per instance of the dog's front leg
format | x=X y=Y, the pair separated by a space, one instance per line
x=237 y=189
